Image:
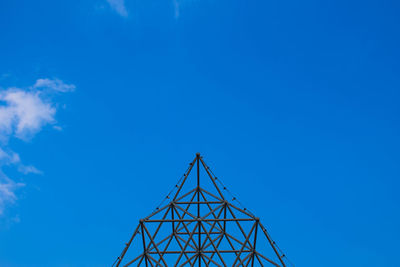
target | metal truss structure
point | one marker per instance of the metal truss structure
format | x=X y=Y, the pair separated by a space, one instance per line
x=200 y=228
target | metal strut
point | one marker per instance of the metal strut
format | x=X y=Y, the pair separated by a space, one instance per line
x=200 y=226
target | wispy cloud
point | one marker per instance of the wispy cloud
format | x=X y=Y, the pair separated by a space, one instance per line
x=180 y=5
x=23 y=113
x=54 y=84
x=7 y=191
x=176 y=8
x=119 y=7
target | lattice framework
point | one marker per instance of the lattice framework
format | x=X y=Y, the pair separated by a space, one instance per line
x=200 y=227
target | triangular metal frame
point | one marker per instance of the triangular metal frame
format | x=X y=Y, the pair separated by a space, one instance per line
x=198 y=235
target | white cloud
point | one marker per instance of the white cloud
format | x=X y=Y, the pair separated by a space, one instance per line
x=7 y=191
x=7 y=185
x=57 y=127
x=55 y=84
x=7 y=158
x=119 y=7
x=23 y=113
x=27 y=169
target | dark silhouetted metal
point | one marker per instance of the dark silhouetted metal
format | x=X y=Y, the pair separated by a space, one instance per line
x=200 y=228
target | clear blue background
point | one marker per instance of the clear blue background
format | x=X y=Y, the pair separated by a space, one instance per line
x=294 y=105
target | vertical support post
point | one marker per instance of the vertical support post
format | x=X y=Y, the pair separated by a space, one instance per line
x=198 y=205
x=255 y=241
x=173 y=218
x=144 y=244
x=225 y=204
x=198 y=184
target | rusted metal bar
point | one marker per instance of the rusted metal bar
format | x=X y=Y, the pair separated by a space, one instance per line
x=212 y=178
x=241 y=250
x=216 y=249
x=144 y=244
x=186 y=244
x=198 y=207
x=272 y=243
x=185 y=177
x=127 y=246
x=254 y=243
x=203 y=220
x=269 y=260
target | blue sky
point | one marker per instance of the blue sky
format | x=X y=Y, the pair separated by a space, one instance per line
x=294 y=105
